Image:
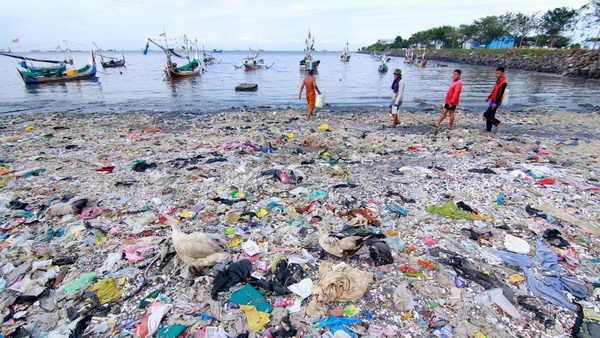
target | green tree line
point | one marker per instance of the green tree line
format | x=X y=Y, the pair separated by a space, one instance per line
x=549 y=29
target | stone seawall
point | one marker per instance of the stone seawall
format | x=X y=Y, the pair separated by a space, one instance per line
x=571 y=63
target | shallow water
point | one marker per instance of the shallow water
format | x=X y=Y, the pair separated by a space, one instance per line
x=356 y=84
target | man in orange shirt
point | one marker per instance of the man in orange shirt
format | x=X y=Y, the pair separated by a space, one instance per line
x=311 y=86
x=452 y=99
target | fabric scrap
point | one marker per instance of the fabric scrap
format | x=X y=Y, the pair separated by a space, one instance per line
x=342 y=285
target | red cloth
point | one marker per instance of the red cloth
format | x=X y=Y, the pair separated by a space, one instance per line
x=453 y=94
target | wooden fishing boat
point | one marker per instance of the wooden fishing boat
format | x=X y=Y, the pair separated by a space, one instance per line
x=208 y=58
x=345 y=57
x=189 y=69
x=85 y=72
x=27 y=64
x=308 y=63
x=112 y=61
x=383 y=67
x=253 y=62
x=193 y=66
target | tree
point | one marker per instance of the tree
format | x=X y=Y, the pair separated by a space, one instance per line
x=490 y=28
x=521 y=26
x=466 y=32
x=558 y=20
x=560 y=41
x=420 y=39
x=592 y=18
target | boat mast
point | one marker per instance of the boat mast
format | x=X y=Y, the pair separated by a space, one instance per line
x=70 y=58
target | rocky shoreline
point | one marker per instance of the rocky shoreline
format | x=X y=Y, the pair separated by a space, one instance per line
x=578 y=63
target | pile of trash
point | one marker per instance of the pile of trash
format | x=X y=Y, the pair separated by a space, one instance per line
x=263 y=224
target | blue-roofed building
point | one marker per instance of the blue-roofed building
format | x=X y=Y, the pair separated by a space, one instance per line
x=507 y=41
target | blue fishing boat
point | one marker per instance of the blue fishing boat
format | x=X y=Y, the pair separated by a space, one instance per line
x=27 y=64
x=45 y=76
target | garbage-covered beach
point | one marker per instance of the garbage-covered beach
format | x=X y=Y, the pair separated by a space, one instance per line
x=262 y=224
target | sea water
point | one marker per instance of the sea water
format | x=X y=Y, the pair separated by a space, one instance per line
x=348 y=86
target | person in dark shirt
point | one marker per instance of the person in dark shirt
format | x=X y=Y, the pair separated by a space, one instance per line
x=495 y=100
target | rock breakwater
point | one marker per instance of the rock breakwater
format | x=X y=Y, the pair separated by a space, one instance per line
x=571 y=63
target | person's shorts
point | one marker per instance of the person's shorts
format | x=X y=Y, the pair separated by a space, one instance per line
x=392 y=104
x=447 y=106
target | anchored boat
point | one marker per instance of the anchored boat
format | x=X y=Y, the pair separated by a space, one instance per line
x=58 y=74
x=191 y=68
x=308 y=63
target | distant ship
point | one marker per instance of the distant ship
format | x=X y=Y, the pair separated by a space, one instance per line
x=217 y=50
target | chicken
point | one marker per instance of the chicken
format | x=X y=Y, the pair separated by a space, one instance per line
x=344 y=245
x=196 y=249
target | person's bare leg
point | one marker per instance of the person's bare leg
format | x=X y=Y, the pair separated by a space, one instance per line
x=451 y=119
x=310 y=114
x=442 y=117
x=396 y=120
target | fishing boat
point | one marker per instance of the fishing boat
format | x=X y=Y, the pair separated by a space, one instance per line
x=172 y=70
x=208 y=58
x=383 y=67
x=252 y=62
x=27 y=64
x=85 y=72
x=421 y=61
x=345 y=57
x=112 y=62
x=308 y=63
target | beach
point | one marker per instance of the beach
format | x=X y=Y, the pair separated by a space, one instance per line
x=269 y=180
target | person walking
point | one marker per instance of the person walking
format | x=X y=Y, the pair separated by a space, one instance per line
x=310 y=83
x=495 y=100
x=452 y=99
x=398 y=89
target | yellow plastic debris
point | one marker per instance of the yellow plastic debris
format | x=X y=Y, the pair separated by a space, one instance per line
x=106 y=290
x=516 y=278
x=290 y=135
x=256 y=319
x=479 y=335
x=235 y=240
x=30 y=128
x=323 y=127
x=262 y=213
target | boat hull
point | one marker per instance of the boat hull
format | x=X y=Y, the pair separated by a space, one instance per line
x=86 y=72
x=176 y=73
x=193 y=68
x=113 y=64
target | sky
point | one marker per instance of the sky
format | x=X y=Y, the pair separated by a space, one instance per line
x=239 y=24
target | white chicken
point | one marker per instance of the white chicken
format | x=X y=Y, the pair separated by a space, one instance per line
x=196 y=249
x=343 y=245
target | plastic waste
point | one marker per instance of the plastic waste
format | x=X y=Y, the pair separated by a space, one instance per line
x=403 y=298
x=497 y=297
x=516 y=244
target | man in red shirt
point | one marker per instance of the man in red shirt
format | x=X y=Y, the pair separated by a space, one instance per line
x=495 y=100
x=452 y=99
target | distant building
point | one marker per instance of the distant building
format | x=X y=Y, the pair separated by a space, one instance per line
x=507 y=41
x=386 y=40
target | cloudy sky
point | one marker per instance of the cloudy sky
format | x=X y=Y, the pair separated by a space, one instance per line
x=239 y=24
